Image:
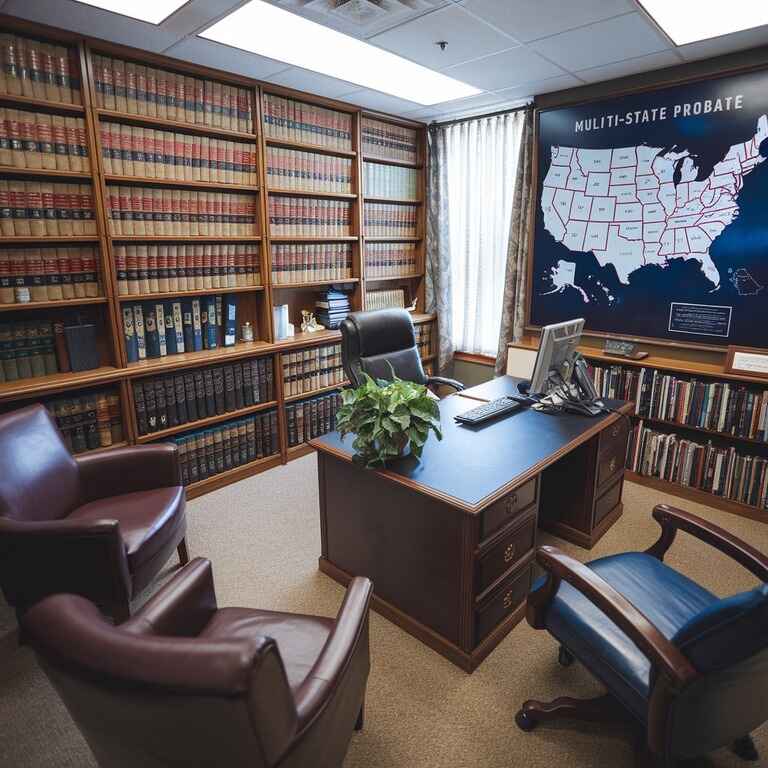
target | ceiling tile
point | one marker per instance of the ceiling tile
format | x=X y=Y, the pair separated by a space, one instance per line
x=312 y=82
x=380 y=101
x=630 y=67
x=467 y=38
x=528 y=90
x=211 y=54
x=195 y=15
x=737 y=41
x=605 y=42
x=425 y=113
x=88 y=20
x=526 y=20
x=504 y=70
x=469 y=103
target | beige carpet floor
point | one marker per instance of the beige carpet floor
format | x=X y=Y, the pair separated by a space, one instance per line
x=422 y=712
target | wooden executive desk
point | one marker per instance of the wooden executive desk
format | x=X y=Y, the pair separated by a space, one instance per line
x=449 y=541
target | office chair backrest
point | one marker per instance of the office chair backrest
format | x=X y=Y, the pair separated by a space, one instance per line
x=372 y=341
x=728 y=644
x=39 y=479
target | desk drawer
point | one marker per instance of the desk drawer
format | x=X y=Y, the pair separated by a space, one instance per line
x=505 y=509
x=506 y=552
x=613 y=451
x=511 y=593
x=608 y=501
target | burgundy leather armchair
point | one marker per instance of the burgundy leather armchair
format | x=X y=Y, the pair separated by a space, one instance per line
x=183 y=683
x=101 y=525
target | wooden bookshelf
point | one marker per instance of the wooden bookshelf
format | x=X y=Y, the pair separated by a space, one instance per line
x=114 y=369
x=396 y=200
x=315 y=392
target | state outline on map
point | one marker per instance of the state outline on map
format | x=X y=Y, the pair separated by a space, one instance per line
x=638 y=216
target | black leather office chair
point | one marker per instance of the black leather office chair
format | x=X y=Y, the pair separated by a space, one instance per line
x=372 y=341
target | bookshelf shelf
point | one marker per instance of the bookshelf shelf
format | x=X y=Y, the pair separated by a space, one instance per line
x=11 y=170
x=392 y=239
x=48 y=106
x=150 y=181
x=183 y=239
x=389 y=278
x=101 y=449
x=57 y=304
x=181 y=127
x=56 y=382
x=421 y=317
x=306 y=339
x=702 y=430
x=200 y=423
x=297 y=451
x=315 y=239
x=187 y=359
x=307 y=193
x=397 y=200
x=49 y=239
x=183 y=294
x=389 y=161
x=232 y=475
x=315 y=283
x=307 y=147
x=315 y=392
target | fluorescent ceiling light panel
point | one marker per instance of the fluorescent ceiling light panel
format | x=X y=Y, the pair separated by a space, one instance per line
x=278 y=34
x=687 y=21
x=153 y=11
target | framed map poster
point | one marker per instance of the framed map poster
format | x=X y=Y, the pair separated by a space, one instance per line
x=651 y=213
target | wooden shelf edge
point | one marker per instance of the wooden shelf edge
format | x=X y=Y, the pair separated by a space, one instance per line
x=43 y=239
x=54 y=304
x=423 y=317
x=297 y=451
x=412 y=276
x=229 y=476
x=393 y=239
x=49 y=106
x=700 y=430
x=398 y=200
x=698 y=496
x=157 y=365
x=185 y=294
x=56 y=382
x=202 y=423
x=391 y=161
x=315 y=392
x=175 y=125
x=318 y=283
x=307 y=147
x=306 y=193
x=112 y=178
x=313 y=239
x=306 y=339
x=183 y=239
x=10 y=170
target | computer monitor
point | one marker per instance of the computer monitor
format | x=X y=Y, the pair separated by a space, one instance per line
x=556 y=359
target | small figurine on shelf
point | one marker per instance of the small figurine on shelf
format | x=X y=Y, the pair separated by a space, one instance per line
x=412 y=308
x=308 y=322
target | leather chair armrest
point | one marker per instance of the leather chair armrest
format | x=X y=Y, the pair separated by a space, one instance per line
x=328 y=671
x=125 y=470
x=181 y=607
x=665 y=656
x=457 y=385
x=672 y=519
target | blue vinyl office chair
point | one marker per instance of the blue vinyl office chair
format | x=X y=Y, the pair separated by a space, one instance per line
x=689 y=667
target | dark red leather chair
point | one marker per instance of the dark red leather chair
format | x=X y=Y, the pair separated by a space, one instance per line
x=101 y=525
x=183 y=683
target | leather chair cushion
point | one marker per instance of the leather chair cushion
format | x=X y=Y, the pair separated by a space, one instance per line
x=147 y=519
x=383 y=331
x=300 y=639
x=667 y=598
x=726 y=632
x=405 y=362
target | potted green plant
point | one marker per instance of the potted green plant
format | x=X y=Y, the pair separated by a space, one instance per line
x=388 y=418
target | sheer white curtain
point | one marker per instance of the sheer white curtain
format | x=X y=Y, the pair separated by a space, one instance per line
x=480 y=159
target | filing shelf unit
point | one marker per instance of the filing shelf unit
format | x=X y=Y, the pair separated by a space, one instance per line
x=115 y=371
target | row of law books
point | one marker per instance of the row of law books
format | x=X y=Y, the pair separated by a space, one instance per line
x=727 y=407
x=147 y=269
x=174 y=400
x=88 y=422
x=171 y=327
x=139 y=90
x=307 y=171
x=720 y=471
x=309 y=217
x=311 y=418
x=210 y=452
x=385 y=298
x=390 y=220
x=313 y=368
x=304 y=123
x=38 y=209
x=38 y=70
x=390 y=181
x=331 y=307
x=423 y=333
x=310 y=262
x=48 y=274
x=40 y=141
x=130 y=150
x=28 y=350
x=180 y=212
x=388 y=141
x=390 y=259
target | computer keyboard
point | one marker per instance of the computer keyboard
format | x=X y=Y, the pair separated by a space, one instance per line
x=488 y=411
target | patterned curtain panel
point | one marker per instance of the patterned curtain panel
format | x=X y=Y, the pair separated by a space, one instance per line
x=473 y=168
x=513 y=299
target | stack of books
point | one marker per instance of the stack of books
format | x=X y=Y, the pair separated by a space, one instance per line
x=307 y=171
x=384 y=299
x=173 y=327
x=311 y=418
x=423 y=333
x=390 y=181
x=309 y=217
x=390 y=220
x=310 y=369
x=310 y=262
x=332 y=307
x=36 y=209
x=41 y=141
x=88 y=422
x=293 y=120
x=30 y=349
x=388 y=141
x=390 y=259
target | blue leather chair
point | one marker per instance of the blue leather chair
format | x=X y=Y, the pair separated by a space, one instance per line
x=689 y=667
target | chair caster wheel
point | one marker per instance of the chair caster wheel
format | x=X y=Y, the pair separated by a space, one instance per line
x=524 y=721
x=745 y=749
x=564 y=657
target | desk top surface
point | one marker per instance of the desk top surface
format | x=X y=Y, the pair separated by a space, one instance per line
x=473 y=466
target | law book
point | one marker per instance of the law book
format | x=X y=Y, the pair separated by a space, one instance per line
x=197 y=326
x=191 y=397
x=237 y=372
x=151 y=332
x=60 y=346
x=150 y=399
x=187 y=325
x=229 y=388
x=210 y=337
x=129 y=332
x=138 y=324
x=247 y=383
x=230 y=320
x=180 y=395
x=200 y=396
x=170 y=401
x=219 y=390
x=210 y=392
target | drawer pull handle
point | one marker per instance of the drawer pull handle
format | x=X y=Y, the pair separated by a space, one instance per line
x=508 y=599
x=612 y=465
x=511 y=503
x=509 y=553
